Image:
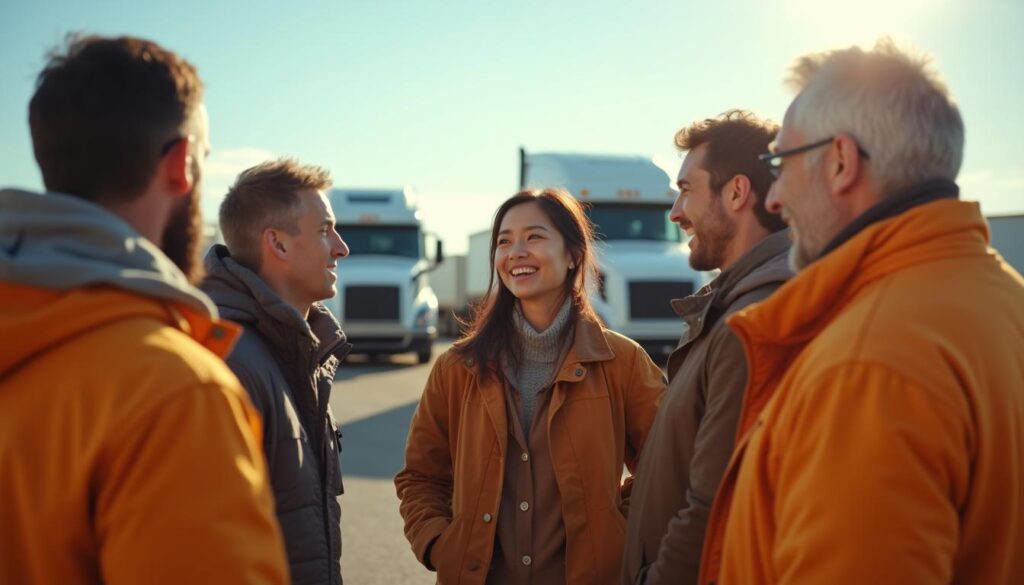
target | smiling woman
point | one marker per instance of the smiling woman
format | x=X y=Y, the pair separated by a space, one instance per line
x=535 y=349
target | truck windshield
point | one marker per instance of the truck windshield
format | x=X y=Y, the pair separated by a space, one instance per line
x=389 y=240
x=633 y=222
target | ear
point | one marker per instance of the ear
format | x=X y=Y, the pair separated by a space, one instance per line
x=573 y=262
x=275 y=244
x=845 y=166
x=177 y=167
x=737 y=193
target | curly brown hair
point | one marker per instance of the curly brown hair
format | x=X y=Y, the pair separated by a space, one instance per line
x=735 y=139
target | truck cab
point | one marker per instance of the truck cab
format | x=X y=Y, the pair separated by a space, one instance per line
x=641 y=255
x=385 y=302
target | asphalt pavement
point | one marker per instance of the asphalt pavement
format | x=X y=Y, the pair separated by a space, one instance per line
x=373 y=400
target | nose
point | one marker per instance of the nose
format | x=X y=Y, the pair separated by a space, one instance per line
x=677 y=215
x=517 y=250
x=772 y=203
x=340 y=248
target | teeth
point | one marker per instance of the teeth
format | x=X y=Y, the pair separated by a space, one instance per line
x=523 y=270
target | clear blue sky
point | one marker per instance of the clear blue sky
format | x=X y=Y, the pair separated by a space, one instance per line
x=439 y=95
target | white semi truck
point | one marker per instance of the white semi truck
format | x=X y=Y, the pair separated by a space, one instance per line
x=642 y=258
x=384 y=301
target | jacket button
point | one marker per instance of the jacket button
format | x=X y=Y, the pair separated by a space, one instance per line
x=525 y=456
x=579 y=371
x=524 y=506
x=487 y=517
x=527 y=560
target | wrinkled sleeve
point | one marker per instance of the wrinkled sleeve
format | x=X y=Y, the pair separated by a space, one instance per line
x=871 y=479
x=425 y=484
x=643 y=391
x=184 y=497
x=679 y=554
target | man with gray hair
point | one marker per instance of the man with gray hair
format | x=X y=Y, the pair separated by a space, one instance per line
x=882 y=434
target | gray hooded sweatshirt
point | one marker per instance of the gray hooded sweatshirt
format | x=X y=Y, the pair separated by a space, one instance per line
x=287 y=364
x=60 y=242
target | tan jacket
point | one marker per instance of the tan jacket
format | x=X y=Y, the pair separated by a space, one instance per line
x=602 y=404
x=882 y=437
x=692 y=435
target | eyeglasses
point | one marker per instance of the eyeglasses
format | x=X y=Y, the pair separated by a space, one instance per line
x=774 y=159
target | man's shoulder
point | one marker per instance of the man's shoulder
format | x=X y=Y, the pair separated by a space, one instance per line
x=136 y=365
x=256 y=365
x=757 y=285
x=252 y=351
x=166 y=351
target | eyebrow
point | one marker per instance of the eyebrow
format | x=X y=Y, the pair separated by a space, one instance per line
x=527 y=228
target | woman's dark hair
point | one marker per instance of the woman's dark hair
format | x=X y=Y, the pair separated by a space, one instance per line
x=492 y=332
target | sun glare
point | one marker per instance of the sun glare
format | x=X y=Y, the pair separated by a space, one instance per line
x=858 y=23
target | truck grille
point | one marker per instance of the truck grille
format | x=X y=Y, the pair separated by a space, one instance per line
x=373 y=303
x=650 y=300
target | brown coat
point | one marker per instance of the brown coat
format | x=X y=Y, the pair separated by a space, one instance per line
x=602 y=404
x=692 y=436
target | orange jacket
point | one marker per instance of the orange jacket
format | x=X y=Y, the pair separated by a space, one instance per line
x=882 y=436
x=603 y=402
x=128 y=451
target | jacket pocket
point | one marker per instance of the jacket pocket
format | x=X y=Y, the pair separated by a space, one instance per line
x=444 y=557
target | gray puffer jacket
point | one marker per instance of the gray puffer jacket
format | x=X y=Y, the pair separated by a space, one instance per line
x=287 y=365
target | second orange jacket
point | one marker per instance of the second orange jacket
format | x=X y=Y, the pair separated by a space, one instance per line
x=882 y=434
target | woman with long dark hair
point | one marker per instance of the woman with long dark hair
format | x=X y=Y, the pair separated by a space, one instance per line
x=513 y=466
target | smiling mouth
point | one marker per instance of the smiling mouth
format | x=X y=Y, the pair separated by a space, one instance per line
x=522 y=272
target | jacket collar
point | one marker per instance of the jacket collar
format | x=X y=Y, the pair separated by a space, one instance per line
x=589 y=346
x=935 y=230
x=890 y=207
x=765 y=263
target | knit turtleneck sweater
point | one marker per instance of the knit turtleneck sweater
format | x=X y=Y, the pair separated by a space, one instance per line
x=542 y=352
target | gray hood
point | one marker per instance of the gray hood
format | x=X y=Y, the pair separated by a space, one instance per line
x=59 y=242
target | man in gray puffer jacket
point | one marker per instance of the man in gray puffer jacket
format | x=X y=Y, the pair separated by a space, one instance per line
x=280 y=260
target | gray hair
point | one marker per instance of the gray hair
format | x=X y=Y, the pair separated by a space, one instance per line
x=891 y=102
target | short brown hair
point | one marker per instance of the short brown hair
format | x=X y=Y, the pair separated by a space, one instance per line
x=265 y=196
x=735 y=139
x=102 y=110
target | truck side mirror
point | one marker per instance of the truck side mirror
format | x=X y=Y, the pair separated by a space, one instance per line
x=439 y=253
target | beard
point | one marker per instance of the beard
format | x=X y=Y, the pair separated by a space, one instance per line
x=183 y=236
x=801 y=253
x=714 y=234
